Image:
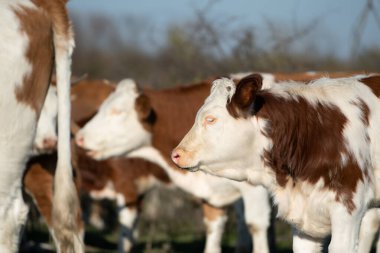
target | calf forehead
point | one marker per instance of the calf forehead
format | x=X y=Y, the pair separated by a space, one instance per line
x=124 y=97
x=221 y=92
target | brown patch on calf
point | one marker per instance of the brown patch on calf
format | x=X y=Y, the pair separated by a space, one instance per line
x=308 y=142
x=121 y=172
x=211 y=213
x=37 y=25
x=373 y=82
x=308 y=145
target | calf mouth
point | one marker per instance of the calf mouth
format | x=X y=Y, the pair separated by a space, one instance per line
x=191 y=168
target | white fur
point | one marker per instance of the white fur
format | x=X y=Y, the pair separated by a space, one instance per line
x=108 y=192
x=47 y=123
x=304 y=244
x=127 y=219
x=214 y=234
x=368 y=230
x=239 y=145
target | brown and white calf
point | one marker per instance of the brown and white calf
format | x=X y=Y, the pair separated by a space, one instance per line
x=147 y=125
x=123 y=180
x=315 y=148
x=33 y=34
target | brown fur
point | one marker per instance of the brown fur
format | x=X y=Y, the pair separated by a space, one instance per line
x=307 y=141
x=373 y=82
x=211 y=213
x=86 y=98
x=123 y=173
x=37 y=25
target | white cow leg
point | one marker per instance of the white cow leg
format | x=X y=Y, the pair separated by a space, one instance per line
x=13 y=215
x=128 y=219
x=345 y=229
x=215 y=220
x=369 y=227
x=257 y=216
x=305 y=244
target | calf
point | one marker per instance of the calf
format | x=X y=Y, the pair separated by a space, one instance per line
x=33 y=34
x=123 y=180
x=314 y=147
x=147 y=125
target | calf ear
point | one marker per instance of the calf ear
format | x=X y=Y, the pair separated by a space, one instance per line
x=144 y=108
x=241 y=104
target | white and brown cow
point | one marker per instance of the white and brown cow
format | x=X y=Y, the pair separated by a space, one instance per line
x=33 y=34
x=315 y=148
x=147 y=126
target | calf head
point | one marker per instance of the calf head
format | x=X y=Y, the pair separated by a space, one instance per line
x=121 y=124
x=221 y=139
x=46 y=134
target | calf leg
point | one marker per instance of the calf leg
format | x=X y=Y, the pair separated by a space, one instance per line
x=13 y=215
x=305 y=244
x=345 y=228
x=214 y=219
x=257 y=216
x=128 y=218
x=369 y=227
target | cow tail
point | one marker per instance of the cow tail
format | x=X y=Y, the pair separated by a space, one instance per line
x=66 y=209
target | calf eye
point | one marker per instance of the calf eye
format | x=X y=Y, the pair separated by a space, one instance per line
x=209 y=120
x=115 y=111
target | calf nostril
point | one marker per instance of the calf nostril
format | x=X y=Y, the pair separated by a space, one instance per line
x=175 y=156
x=79 y=140
x=50 y=142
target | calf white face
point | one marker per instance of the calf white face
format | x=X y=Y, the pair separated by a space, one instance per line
x=117 y=128
x=46 y=134
x=217 y=143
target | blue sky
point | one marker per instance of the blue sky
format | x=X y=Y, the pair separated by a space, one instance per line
x=337 y=18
